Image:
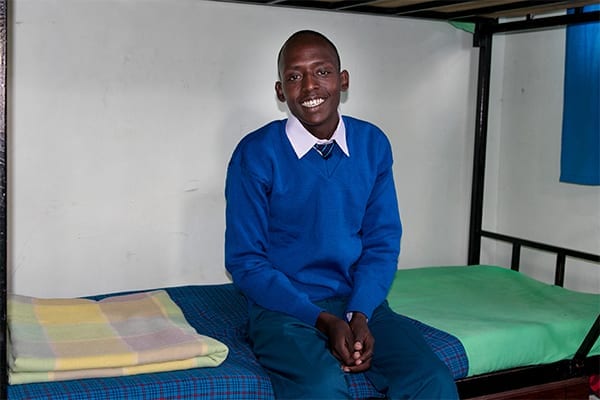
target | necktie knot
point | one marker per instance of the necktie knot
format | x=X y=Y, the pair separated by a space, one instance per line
x=324 y=149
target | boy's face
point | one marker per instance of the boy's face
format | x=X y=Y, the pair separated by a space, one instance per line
x=311 y=83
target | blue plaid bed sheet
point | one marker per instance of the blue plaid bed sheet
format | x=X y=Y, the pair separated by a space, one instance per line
x=219 y=311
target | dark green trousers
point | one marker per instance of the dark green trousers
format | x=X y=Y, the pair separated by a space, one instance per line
x=298 y=360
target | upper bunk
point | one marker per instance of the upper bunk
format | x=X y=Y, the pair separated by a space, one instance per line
x=492 y=15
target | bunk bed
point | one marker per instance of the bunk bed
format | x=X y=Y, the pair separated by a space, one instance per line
x=219 y=310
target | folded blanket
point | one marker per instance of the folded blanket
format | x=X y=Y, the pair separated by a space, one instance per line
x=58 y=339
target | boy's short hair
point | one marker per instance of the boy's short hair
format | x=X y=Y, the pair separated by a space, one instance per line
x=312 y=33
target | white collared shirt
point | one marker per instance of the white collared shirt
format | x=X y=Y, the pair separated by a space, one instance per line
x=302 y=140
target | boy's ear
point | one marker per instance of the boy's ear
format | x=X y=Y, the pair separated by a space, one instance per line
x=279 y=92
x=344 y=80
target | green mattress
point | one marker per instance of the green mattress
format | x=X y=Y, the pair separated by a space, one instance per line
x=503 y=318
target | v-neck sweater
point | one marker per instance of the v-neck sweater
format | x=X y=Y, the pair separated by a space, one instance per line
x=304 y=230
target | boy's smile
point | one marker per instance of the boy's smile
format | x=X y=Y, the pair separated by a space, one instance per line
x=311 y=82
x=313 y=103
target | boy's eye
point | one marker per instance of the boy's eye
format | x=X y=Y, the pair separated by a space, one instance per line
x=323 y=72
x=293 y=77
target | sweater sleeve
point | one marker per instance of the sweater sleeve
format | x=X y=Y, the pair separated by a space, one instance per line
x=381 y=233
x=246 y=243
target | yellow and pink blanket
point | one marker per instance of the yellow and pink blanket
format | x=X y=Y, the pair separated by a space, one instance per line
x=59 y=339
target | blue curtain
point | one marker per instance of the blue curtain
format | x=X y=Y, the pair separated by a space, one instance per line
x=580 y=151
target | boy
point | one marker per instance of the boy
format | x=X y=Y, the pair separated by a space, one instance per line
x=312 y=240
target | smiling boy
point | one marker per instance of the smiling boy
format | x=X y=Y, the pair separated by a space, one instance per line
x=313 y=238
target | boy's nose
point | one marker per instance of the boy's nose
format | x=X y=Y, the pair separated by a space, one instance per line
x=309 y=82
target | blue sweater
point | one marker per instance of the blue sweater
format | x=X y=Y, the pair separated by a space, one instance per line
x=308 y=229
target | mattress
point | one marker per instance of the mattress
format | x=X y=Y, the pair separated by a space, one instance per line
x=503 y=318
x=218 y=311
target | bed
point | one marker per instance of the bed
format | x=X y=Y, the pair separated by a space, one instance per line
x=424 y=294
x=219 y=311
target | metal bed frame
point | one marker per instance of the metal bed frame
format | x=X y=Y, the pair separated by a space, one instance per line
x=485 y=29
x=580 y=365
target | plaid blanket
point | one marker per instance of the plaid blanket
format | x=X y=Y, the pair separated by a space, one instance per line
x=59 y=339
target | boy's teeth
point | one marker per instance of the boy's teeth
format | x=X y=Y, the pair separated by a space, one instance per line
x=312 y=103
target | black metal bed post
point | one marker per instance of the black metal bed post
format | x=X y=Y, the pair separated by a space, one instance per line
x=3 y=202
x=482 y=39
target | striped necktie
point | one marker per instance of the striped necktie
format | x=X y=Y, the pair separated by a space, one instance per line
x=324 y=149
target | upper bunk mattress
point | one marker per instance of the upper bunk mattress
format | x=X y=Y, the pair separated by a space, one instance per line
x=503 y=318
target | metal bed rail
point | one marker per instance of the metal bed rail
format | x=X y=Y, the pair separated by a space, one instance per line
x=561 y=253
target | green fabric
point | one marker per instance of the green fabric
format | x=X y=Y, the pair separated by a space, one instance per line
x=503 y=318
x=465 y=26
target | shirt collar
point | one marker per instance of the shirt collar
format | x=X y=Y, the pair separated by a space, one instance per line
x=302 y=140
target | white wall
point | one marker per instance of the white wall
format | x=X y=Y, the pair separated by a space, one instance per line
x=523 y=195
x=123 y=114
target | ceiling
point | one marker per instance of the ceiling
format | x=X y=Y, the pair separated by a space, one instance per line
x=460 y=11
